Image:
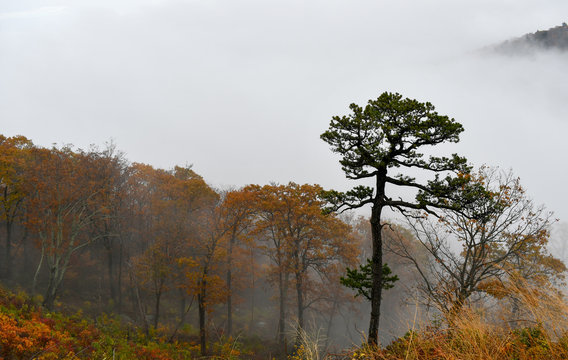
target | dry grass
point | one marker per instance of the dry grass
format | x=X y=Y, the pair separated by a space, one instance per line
x=536 y=329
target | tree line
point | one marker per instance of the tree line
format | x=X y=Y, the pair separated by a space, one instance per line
x=161 y=244
x=163 y=234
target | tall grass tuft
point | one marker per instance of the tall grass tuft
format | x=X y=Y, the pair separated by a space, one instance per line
x=309 y=344
x=526 y=322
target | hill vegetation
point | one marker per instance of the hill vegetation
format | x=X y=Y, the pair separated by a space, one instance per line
x=555 y=38
x=107 y=259
x=28 y=331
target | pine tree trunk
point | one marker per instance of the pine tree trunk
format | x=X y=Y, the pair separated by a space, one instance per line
x=377 y=259
x=376 y=290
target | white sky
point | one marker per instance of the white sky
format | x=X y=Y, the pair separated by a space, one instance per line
x=243 y=89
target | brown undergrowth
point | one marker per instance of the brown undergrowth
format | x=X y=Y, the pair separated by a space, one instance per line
x=526 y=322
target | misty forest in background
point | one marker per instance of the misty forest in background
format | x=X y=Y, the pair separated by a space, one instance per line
x=162 y=265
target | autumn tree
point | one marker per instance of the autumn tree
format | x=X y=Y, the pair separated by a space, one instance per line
x=14 y=160
x=238 y=212
x=152 y=270
x=205 y=264
x=299 y=238
x=62 y=189
x=501 y=234
x=377 y=140
x=558 y=244
x=530 y=273
x=112 y=170
x=135 y=221
x=174 y=202
x=314 y=240
x=273 y=245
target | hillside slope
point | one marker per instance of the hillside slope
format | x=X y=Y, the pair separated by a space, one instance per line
x=555 y=38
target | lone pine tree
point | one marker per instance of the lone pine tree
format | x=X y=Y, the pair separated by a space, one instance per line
x=377 y=140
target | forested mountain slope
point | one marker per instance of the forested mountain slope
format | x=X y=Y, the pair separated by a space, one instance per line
x=555 y=38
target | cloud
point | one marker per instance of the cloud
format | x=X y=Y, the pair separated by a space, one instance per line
x=243 y=89
x=34 y=13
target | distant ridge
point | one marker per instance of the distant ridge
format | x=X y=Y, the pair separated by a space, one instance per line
x=555 y=38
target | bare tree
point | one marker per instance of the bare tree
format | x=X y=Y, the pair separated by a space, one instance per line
x=501 y=232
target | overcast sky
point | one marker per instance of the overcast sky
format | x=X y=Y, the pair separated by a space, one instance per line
x=243 y=89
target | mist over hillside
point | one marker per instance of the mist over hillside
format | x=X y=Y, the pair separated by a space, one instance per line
x=240 y=93
x=555 y=38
